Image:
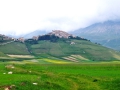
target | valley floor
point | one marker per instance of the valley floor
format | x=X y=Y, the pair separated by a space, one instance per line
x=102 y=76
x=27 y=72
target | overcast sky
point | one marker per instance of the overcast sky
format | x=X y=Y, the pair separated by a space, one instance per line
x=23 y=16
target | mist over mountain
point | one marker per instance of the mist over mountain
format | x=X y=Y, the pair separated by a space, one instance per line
x=35 y=33
x=106 y=33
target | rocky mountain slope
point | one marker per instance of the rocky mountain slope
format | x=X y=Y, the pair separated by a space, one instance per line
x=106 y=33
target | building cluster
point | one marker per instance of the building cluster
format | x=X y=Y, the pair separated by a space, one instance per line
x=21 y=39
x=60 y=34
x=3 y=37
x=35 y=37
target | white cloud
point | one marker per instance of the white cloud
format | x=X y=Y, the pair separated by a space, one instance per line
x=23 y=16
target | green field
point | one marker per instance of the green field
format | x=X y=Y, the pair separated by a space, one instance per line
x=51 y=73
x=60 y=76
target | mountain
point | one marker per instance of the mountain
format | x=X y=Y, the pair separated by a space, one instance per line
x=106 y=33
x=35 y=33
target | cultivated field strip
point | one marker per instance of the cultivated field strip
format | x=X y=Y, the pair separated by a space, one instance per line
x=75 y=58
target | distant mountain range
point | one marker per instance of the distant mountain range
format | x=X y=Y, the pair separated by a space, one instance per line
x=35 y=33
x=106 y=33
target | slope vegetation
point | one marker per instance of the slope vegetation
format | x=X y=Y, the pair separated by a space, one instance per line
x=74 y=50
x=14 y=48
x=2 y=55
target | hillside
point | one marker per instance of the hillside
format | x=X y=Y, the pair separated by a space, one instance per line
x=81 y=50
x=4 y=40
x=63 y=46
x=2 y=55
x=106 y=33
x=14 y=48
x=72 y=49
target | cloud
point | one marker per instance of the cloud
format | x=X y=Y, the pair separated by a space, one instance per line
x=23 y=16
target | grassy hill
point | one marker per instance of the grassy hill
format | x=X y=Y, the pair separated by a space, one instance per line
x=74 y=50
x=14 y=48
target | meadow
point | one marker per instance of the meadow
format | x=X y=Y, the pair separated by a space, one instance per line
x=73 y=76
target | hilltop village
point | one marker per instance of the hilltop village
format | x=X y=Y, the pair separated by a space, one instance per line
x=55 y=34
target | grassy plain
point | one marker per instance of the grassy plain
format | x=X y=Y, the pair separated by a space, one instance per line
x=64 y=76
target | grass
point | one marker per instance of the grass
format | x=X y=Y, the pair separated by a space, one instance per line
x=61 y=76
x=81 y=49
x=60 y=66
x=2 y=55
x=14 y=48
x=57 y=61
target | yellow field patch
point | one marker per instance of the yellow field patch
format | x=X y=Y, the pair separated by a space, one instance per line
x=56 y=61
x=20 y=56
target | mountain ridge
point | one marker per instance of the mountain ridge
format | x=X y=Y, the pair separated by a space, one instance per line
x=104 y=33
